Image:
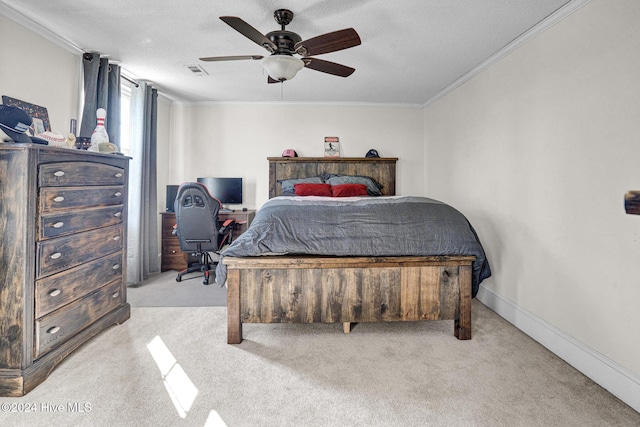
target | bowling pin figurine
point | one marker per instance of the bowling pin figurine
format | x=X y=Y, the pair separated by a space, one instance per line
x=100 y=132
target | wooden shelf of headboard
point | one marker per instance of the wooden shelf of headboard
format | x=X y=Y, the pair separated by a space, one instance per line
x=382 y=169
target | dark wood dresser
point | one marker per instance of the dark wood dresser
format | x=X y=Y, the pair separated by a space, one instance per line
x=173 y=258
x=62 y=256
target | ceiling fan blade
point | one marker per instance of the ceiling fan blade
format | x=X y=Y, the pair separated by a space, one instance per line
x=328 y=67
x=249 y=32
x=330 y=42
x=231 y=58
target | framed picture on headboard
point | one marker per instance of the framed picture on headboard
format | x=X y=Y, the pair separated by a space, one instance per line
x=331 y=146
x=39 y=114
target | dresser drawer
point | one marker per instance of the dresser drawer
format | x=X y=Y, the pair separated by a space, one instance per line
x=173 y=258
x=65 y=252
x=60 y=289
x=168 y=222
x=59 y=224
x=171 y=248
x=57 y=198
x=59 y=326
x=66 y=174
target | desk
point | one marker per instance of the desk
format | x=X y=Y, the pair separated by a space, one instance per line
x=173 y=258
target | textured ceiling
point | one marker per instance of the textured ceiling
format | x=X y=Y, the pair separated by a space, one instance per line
x=411 y=49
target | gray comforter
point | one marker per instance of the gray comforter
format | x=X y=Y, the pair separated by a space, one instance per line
x=359 y=226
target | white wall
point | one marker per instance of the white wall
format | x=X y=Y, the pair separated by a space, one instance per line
x=235 y=140
x=40 y=72
x=538 y=150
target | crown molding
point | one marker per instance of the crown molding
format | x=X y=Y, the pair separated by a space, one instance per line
x=551 y=20
x=39 y=29
x=299 y=103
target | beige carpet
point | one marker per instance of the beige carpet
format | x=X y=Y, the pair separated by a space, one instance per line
x=162 y=290
x=409 y=374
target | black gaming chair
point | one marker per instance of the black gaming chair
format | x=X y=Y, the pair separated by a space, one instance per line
x=198 y=229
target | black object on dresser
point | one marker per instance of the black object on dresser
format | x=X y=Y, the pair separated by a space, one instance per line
x=62 y=256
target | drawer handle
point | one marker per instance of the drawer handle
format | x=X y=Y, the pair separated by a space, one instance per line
x=58 y=199
x=58 y=224
x=116 y=238
x=58 y=173
x=53 y=330
x=117 y=214
x=56 y=255
x=118 y=194
x=116 y=266
x=119 y=175
x=55 y=292
x=173 y=252
x=115 y=295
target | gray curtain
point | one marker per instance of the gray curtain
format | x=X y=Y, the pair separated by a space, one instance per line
x=142 y=239
x=101 y=90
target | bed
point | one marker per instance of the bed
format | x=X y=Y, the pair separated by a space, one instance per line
x=317 y=258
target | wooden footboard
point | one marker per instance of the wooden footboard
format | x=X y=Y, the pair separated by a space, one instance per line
x=309 y=289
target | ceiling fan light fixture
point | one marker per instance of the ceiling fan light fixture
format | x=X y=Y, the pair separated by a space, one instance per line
x=282 y=67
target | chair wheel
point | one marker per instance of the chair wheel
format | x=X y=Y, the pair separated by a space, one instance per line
x=178 y=279
x=205 y=281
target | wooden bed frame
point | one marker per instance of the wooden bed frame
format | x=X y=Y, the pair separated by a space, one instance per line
x=328 y=289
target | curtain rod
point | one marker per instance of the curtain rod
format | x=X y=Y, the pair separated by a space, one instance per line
x=130 y=81
x=89 y=57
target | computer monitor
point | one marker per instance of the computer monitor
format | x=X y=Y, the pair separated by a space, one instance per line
x=172 y=192
x=227 y=190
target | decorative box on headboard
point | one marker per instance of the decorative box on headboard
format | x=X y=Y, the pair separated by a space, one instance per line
x=382 y=170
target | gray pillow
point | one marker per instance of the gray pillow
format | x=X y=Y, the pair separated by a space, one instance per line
x=373 y=186
x=287 y=184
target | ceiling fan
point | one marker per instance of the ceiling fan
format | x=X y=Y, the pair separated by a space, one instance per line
x=282 y=65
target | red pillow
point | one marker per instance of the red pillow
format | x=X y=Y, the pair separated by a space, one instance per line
x=348 y=190
x=312 y=189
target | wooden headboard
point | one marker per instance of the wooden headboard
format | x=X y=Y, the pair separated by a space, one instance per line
x=382 y=170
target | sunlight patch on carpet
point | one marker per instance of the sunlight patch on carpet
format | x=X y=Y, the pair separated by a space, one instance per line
x=179 y=386
x=214 y=420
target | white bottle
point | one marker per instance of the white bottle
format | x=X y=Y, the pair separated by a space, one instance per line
x=100 y=132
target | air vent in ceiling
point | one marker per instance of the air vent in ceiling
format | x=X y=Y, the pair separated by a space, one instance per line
x=197 y=70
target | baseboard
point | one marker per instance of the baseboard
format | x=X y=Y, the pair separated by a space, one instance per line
x=616 y=379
